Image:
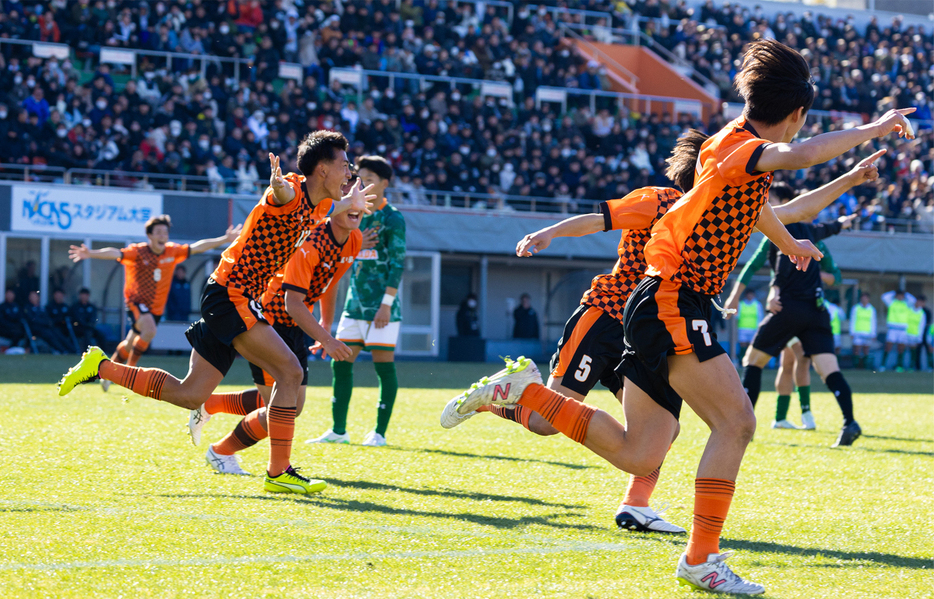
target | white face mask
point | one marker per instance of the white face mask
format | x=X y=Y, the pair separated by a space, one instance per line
x=18 y=79
x=3 y=114
x=101 y=105
x=205 y=144
x=61 y=132
x=30 y=83
x=224 y=29
x=216 y=149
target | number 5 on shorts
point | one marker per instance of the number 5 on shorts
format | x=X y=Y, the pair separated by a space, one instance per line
x=701 y=325
x=583 y=371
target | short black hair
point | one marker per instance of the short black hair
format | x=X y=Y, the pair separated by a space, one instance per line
x=377 y=165
x=84 y=290
x=775 y=81
x=682 y=164
x=317 y=147
x=58 y=290
x=782 y=191
x=162 y=219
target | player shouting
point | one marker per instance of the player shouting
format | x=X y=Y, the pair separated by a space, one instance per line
x=232 y=320
x=149 y=268
x=311 y=275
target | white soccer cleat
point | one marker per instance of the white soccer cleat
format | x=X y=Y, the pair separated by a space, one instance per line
x=784 y=424
x=502 y=389
x=645 y=519
x=105 y=385
x=196 y=421
x=331 y=437
x=224 y=464
x=374 y=439
x=715 y=576
x=807 y=421
x=449 y=416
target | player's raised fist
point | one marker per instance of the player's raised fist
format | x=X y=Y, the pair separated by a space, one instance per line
x=77 y=253
x=895 y=120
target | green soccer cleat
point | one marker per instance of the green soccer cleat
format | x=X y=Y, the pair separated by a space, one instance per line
x=85 y=371
x=291 y=481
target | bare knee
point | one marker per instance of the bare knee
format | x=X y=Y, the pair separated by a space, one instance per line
x=743 y=426
x=288 y=375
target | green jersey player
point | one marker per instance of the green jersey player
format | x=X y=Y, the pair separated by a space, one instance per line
x=373 y=314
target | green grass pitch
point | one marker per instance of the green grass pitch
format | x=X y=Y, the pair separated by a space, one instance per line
x=103 y=497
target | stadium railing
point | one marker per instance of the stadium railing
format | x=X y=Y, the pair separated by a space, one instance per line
x=407 y=195
x=360 y=79
x=642 y=103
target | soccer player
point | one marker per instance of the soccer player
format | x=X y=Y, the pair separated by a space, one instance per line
x=232 y=320
x=899 y=305
x=862 y=329
x=803 y=315
x=149 y=268
x=671 y=350
x=311 y=274
x=372 y=314
x=592 y=343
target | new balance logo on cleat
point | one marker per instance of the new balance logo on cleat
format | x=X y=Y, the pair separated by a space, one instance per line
x=500 y=393
x=711 y=580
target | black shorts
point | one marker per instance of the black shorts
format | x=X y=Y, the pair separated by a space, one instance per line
x=664 y=319
x=228 y=312
x=219 y=354
x=589 y=350
x=294 y=338
x=802 y=319
x=134 y=311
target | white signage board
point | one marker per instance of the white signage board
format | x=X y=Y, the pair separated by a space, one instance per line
x=57 y=210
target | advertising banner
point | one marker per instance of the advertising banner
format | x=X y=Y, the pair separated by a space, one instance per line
x=81 y=211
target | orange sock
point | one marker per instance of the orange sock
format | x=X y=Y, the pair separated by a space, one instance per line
x=121 y=354
x=247 y=433
x=640 y=489
x=139 y=348
x=519 y=414
x=144 y=381
x=281 y=423
x=712 y=497
x=240 y=403
x=569 y=416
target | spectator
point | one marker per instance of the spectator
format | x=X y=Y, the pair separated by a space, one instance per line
x=178 y=305
x=60 y=317
x=468 y=321
x=11 y=320
x=43 y=329
x=526 y=319
x=84 y=319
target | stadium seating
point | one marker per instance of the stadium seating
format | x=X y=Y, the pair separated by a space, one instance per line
x=180 y=120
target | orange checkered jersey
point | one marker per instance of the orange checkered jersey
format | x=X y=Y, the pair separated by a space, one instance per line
x=698 y=242
x=318 y=264
x=635 y=214
x=270 y=236
x=149 y=275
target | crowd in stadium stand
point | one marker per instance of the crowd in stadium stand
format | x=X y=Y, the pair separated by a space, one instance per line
x=76 y=113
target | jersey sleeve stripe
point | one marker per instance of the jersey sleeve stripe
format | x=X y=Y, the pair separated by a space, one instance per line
x=288 y=287
x=754 y=159
x=607 y=218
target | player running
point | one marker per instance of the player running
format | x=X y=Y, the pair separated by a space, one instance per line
x=671 y=350
x=232 y=319
x=372 y=314
x=149 y=268
x=311 y=275
x=803 y=315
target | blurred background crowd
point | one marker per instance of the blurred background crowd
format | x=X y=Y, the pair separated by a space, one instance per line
x=216 y=121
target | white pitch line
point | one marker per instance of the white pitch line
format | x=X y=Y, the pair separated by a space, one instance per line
x=279 y=559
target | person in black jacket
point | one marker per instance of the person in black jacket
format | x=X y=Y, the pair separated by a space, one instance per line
x=178 y=306
x=60 y=315
x=84 y=317
x=526 y=319
x=41 y=326
x=11 y=319
x=468 y=322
